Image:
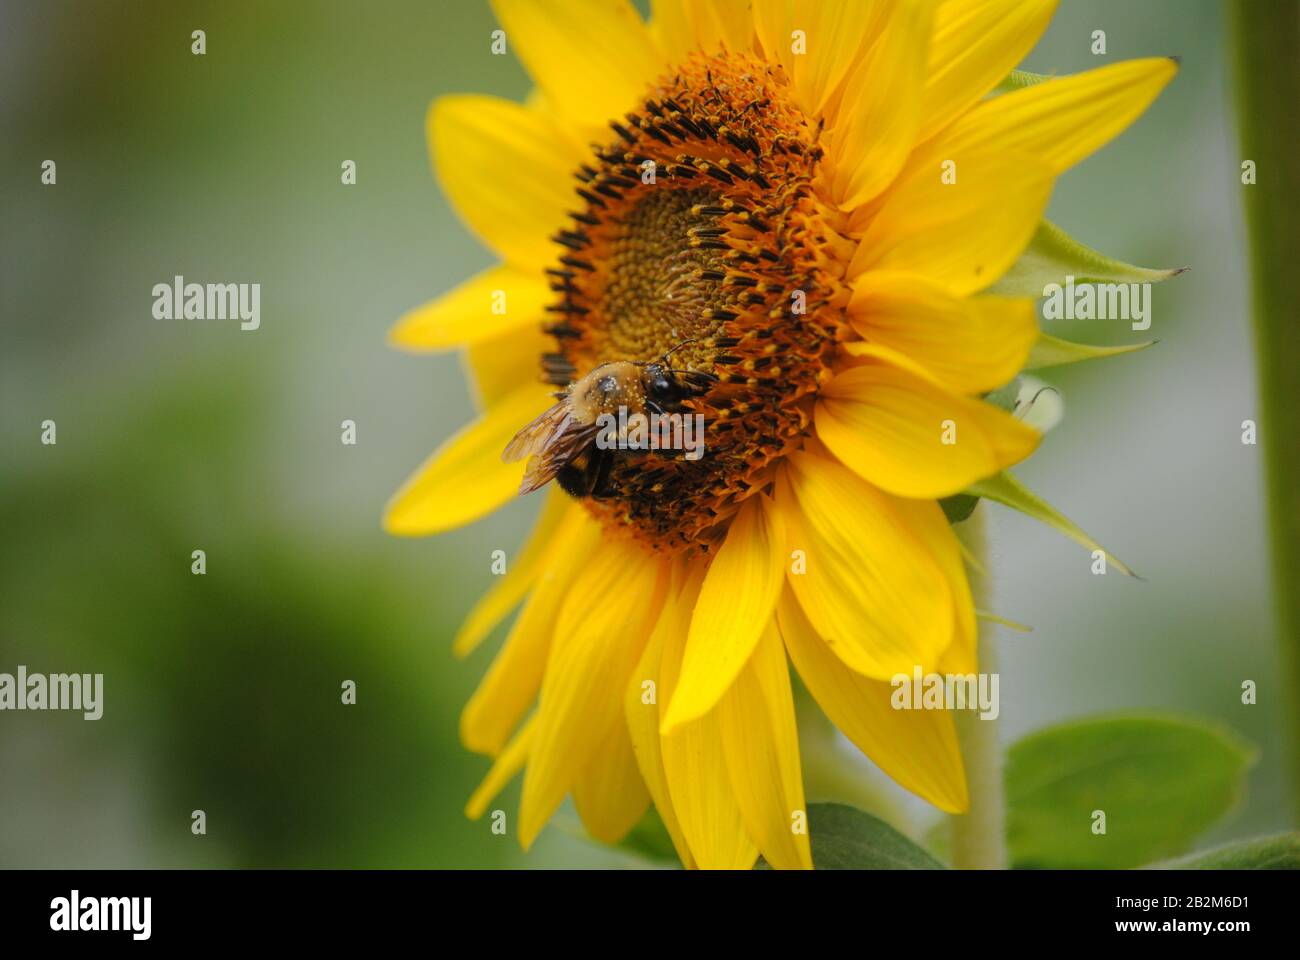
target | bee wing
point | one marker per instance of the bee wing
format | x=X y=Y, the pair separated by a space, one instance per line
x=535 y=437
x=551 y=441
x=569 y=441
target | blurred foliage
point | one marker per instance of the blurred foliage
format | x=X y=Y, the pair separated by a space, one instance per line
x=1119 y=791
x=228 y=685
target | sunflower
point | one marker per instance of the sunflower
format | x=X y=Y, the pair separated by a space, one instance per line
x=803 y=203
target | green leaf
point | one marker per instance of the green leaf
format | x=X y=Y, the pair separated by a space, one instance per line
x=1007 y=490
x=1160 y=781
x=845 y=838
x=1050 y=351
x=1052 y=255
x=1281 y=852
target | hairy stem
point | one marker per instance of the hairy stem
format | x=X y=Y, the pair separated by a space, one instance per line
x=979 y=835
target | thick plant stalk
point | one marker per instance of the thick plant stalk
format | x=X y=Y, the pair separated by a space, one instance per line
x=979 y=836
x=1267 y=40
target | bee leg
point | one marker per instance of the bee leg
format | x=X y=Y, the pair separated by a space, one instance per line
x=697 y=381
x=598 y=470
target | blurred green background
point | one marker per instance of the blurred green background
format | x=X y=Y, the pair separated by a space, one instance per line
x=222 y=691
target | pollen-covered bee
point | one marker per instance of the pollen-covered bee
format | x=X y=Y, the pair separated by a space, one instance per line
x=562 y=441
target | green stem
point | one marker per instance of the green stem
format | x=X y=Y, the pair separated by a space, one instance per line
x=1267 y=38
x=979 y=835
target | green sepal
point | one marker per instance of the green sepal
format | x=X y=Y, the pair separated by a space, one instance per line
x=1003 y=621
x=1050 y=351
x=1018 y=80
x=1052 y=255
x=1007 y=490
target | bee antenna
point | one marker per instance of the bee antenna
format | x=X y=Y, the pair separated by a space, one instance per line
x=674 y=349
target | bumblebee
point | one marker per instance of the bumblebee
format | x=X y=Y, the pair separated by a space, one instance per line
x=562 y=441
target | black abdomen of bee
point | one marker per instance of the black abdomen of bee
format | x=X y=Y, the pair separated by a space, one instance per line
x=587 y=475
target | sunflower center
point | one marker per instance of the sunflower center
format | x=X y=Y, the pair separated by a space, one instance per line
x=701 y=245
x=656 y=296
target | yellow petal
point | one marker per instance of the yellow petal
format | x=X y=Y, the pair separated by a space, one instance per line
x=704 y=798
x=671 y=27
x=963 y=234
x=507 y=170
x=522 y=572
x=875 y=594
x=975 y=45
x=836 y=34
x=498 y=364
x=510 y=685
x=722 y=23
x=602 y=628
x=928 y=524
x=609 y=794
x=642 y=710
x=761 y=743
x=881 y=106
x=918 y=748
x=1062 y=120
x=773 y=25
x=593 y=59
x=682 y=26
x=734 y=608
x=695 y=766
x=498 y=300
x=971 y=345
x=465 y=478
x=504 y=768
x=906 y=434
